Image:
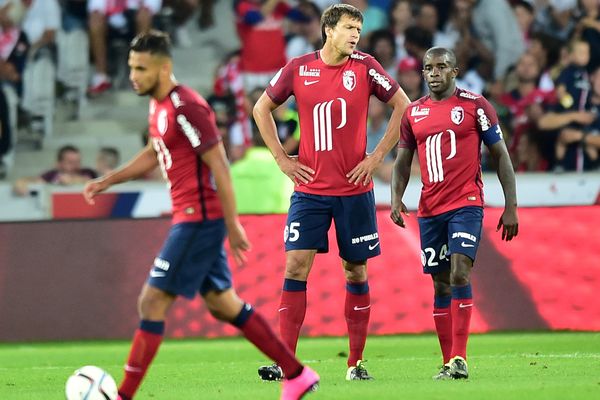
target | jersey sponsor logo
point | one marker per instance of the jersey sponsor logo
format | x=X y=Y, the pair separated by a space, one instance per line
x=349 y=80
x=357 y=56
x=433 y=154
x=323 y=126
x=366 y=238
x=419 y=113
x=176 y=100
x=380 y=79
x=190 y=132
x=464 y=235
x=457 y=115
x=308 y=83
x=162 y=122
x=468 y=95
x=304 y=71
x=484 y=121
x=276 y=77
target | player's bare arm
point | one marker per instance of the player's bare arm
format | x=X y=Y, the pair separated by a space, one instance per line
x=216 y=160
x=364 y=171
x=142 y=163
x=400 y=178
x=509 y=221
x=289 y=165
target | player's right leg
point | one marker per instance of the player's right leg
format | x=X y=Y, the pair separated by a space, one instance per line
x=227 y=306
x=153 y=306
x=308 y=221
x=98 y=36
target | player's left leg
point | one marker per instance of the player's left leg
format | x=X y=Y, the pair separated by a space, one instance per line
x=227 y=306
x=358 y=240
x=357 y=311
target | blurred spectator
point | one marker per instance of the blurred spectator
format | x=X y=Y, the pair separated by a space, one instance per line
x=417 y=41
x=400 y=19
x=526 y=104
x=410 y=78
x=229 y=84
x=377 y=123
x=591 y=139
x=260 y=29
x=5 y=132
x=206 y=17
x=573 y=84
x=259 y=185
x=546 y=50
x=427 y=18
x=74 y=15
x=557 y=19
x=182 y=11
x=68 y=171
x=525 y=14
x=107 y=160
x=382 y=46
x=374 y=18
x=309 y=36
x=588 y=29
x=41 y=23
x=14 y=44
x=496 y=26
x=124 y=16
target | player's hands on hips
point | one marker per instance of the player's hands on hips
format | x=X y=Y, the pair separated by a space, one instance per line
x=238 y=242
x=295 y=170
x=363 y=172
x=509 y=222
x=396 y=214
x=92 y=188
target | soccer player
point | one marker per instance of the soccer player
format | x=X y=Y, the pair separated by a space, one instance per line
x=185 y=142
x=332 y=172
x=447 y=128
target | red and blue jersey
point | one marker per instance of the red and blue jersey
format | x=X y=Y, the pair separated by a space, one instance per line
x=182 y=127
x=447 y=135
x=332 y=106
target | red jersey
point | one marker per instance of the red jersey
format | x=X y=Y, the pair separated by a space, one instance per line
x=263 y=44
x=447 y=135
x=332 y=107
x=182 y=126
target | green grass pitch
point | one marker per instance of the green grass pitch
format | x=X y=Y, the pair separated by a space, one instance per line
x=502 y=366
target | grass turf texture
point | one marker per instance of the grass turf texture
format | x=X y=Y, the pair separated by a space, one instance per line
x=502 y=366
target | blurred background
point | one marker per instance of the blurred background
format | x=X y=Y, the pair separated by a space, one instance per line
x=68 y=114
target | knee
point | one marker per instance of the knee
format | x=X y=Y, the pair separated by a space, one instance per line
x=297 y=268
x=355 y=271
x=461 y=275
x=151 y=306
x=220 y=315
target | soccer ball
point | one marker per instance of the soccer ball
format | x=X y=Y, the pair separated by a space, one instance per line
x=91 y=383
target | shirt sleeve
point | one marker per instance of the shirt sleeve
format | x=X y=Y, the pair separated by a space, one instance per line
x=281 y=85
x=487 y=122
x=407 y=137
x=197 y=123
x=381 y=84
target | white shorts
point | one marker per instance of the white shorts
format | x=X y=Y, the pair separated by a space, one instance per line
x=104 y=6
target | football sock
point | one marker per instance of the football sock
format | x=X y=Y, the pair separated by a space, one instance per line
x=442 y=317
x=292 y=310
x=462 y=307
x=145 y=343
x=257 y=331
x=357 y=311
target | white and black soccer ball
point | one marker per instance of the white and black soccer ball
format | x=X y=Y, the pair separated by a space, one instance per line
x=91 y=383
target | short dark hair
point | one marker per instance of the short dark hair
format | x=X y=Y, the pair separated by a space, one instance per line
x=69 y=148
x=154 y=42
x=332 y=15
x=441 y=51
x=112 y=153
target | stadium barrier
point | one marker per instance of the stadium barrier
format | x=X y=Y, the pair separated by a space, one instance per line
x=79 y=279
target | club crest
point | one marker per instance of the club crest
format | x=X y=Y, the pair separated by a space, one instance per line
x=457 y=115
x=349 y=80
x=162 y=122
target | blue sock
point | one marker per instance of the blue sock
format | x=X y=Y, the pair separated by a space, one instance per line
x=358 y=287
x=292 y=285
x=462 y=292
x=156 y=327
x=441 y=301
x=243 y=316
